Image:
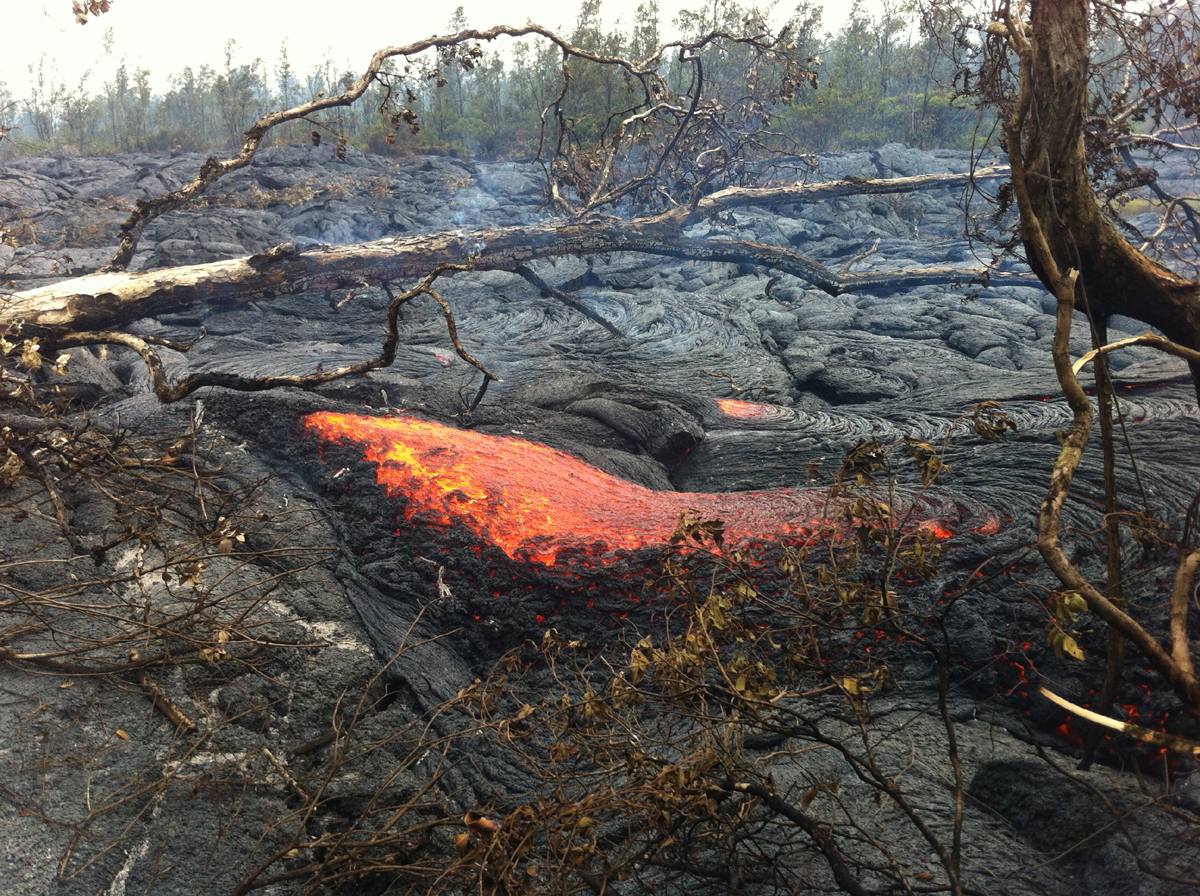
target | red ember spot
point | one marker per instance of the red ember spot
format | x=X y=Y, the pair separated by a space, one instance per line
x=1067 y=730
x=990 y=526
x=532 y=501
x=939 y=532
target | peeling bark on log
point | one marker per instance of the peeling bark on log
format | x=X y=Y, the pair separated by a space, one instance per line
x=108 y=300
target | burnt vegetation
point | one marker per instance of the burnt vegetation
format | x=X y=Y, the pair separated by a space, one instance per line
x=748 y=726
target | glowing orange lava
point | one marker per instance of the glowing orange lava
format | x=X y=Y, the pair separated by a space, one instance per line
x=744 y=409
x=750 y=410
x=990 y=526
x=532 y=501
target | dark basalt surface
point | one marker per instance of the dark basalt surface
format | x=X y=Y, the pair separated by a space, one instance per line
x=836 y=371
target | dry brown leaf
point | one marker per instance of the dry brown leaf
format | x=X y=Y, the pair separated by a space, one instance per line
x=480 y=824
x=462 y=842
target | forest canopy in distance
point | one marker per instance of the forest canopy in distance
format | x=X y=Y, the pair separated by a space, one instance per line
x=882 y=78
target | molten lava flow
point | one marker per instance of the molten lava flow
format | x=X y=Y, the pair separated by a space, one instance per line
x=532 y=501
x=750 y=410
x=990 y=525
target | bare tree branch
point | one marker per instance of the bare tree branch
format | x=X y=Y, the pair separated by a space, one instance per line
x=104 y=300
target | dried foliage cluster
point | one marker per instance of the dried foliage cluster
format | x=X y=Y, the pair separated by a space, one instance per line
x=89 y=9
x=731 y=747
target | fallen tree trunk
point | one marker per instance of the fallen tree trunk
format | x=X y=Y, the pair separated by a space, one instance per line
x=109 y=300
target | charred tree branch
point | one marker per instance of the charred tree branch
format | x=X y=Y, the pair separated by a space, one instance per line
x=165 y=704
x=106 y=300
x=821 y=836
x=166 y=392
x=570 y=301
x=823 y=278
x=1115 y=656
x=18 y=447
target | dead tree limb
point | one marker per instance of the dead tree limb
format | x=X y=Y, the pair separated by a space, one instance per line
x=167 y=392
x=104 y=301
x=570 y=301
x=1146 y=735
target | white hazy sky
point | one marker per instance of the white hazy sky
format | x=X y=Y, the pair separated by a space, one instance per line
x=166 y=35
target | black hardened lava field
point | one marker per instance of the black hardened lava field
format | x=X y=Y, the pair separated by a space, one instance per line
x=350 y=563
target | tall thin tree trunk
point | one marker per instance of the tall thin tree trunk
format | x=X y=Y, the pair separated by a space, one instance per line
x=1114 y=277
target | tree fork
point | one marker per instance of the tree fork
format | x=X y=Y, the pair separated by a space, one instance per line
x=1064 y=281
x=1114 y=276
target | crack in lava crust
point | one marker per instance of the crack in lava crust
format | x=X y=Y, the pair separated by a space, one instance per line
x=534 y=502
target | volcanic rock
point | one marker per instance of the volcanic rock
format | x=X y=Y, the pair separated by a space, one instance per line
x=725 y=380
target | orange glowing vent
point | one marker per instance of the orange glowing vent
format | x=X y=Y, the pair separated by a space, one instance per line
x=746 y=409
x=751 y=410
x=533 y=502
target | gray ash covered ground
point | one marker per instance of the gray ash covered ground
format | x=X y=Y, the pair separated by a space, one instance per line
x=837 y=369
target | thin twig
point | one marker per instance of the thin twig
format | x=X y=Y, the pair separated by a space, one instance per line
x=570 y=301
x=164 y=704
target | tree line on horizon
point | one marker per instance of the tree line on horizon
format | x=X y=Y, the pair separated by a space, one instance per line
x=879 y=78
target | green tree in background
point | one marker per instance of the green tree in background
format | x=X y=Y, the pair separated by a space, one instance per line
x=882 y=77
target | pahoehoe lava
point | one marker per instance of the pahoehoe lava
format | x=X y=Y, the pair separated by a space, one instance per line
x=534 y=502
x=730 y=389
